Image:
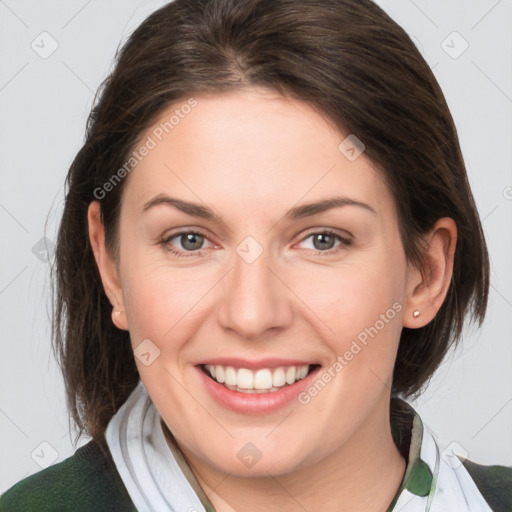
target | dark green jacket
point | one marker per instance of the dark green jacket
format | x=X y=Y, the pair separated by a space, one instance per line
x=87 y=481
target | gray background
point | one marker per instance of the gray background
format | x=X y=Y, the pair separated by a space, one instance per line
x=43 y=106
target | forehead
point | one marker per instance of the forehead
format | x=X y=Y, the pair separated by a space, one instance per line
x=237 y=148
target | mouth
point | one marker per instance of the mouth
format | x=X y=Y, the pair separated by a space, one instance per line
x=257 y=381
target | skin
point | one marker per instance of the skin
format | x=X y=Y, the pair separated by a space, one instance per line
x=250 y=156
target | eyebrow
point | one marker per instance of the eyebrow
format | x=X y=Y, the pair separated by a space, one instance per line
x=297 y=212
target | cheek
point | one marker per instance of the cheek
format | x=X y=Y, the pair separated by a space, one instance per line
x=154 y=294
x=159 y=300
x=353 y=297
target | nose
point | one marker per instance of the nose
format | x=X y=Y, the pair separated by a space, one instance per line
x=255 y=299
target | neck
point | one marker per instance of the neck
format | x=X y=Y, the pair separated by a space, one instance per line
x=338 y=483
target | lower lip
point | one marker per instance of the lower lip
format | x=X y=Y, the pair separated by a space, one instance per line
x=255 y=403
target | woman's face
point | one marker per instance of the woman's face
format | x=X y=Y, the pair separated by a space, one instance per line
x=223 y=265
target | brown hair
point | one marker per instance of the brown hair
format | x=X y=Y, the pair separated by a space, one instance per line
x=346 y=58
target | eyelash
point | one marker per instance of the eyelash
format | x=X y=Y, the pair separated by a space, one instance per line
x=345 y=242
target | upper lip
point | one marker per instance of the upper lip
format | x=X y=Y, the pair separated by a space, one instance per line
x=253 y=364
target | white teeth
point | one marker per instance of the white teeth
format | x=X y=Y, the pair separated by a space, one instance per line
x=230 y=376
x=279 y=377
x=290 y=375
x=302 y=372
x=218 y=374
x=245 y=379
x=263 y=380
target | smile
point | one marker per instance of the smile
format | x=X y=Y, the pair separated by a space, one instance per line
x=263 y=380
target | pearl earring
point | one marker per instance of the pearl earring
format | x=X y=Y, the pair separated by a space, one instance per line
x=416 y=314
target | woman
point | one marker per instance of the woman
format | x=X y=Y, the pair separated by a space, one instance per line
x=220 y=356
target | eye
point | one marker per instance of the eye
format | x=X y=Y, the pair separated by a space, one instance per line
x=190 y=241
x=323 y=242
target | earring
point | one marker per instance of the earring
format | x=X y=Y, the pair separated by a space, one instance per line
x=116 y=314
x=416 y=314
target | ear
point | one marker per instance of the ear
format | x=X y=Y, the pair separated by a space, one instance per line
x=427 y=290
x=106 y=265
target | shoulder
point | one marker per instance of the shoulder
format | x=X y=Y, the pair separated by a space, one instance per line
x=494 y=483
x=86 y=481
